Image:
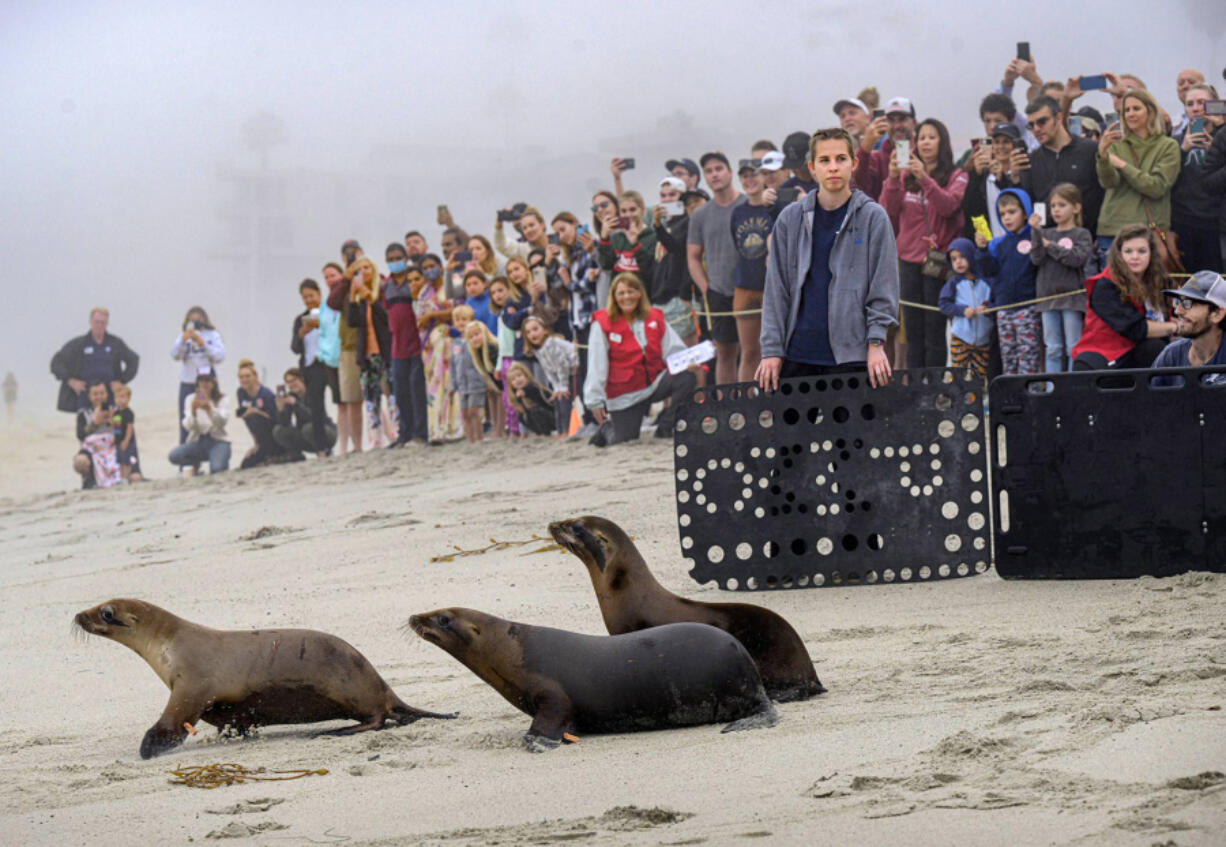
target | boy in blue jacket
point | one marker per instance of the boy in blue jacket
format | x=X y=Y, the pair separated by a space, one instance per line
x=1007 y=259
x=964 y=298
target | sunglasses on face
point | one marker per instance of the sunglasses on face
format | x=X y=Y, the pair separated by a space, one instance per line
x=1038 y=123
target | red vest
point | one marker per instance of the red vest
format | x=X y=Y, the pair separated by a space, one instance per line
x=1097 y=336
x=632 y=368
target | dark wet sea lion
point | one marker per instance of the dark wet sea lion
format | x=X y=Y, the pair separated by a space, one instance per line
x=669 y=676
x=247 y=678
x=631 y=599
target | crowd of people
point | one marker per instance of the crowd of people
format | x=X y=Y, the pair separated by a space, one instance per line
x=1049 y=245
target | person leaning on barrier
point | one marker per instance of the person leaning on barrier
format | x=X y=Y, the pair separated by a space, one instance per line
x=831 y=290
x=1123 y=328
x=1200 y=322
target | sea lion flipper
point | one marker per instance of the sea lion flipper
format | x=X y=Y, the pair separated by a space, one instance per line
x=553 y=718
x=535 y=743
x=184 y=707
x=764 y=719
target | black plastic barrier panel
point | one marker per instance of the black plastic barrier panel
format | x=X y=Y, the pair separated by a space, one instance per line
x=830 y=482
x=1109 y=474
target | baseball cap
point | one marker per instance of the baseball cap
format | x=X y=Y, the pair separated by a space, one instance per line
x=771 y=161
x=1010 y=130
x=706 y=157
x=1090 y=125
x=1205 y=286
x=795 y=149
x=900 y=104
x=688 y=164
x=695 y=194
x=673 y=182
x=851 y=101
x=1091 y=113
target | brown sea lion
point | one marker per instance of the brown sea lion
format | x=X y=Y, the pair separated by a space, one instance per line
x=247 y=678
x=668 y=676
x=631 y=599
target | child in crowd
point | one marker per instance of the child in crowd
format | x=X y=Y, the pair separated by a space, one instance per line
x=557 y=359
x=477 y=299
x=1007 y=259
x=528 y=398
x=1060 y=253
x=964 y=297
x=483 y=354
x=467 y=387
x=507 y=301
x=124 y=421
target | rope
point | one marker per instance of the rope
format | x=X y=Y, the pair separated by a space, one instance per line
x=217 y=775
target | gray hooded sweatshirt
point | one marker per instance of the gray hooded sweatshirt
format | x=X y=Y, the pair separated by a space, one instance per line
x=863 y=294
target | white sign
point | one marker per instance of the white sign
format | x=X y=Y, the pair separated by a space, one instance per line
x=682 y=359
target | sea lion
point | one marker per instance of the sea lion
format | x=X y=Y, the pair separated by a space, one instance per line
x=247 y=678
x=676 y=675
x=631 y=599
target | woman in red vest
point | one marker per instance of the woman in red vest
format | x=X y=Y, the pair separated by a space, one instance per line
x=1125 y=322
x=627 y=348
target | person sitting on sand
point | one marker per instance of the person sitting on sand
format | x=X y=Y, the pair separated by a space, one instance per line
x=258 y=408
x=96 y=461
x=296 y=427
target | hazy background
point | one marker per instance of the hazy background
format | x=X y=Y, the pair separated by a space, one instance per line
x=158 y=156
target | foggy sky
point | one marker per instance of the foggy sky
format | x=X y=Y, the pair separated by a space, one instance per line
x=117 y=118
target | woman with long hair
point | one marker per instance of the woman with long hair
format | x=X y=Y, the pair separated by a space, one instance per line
x=366 y=314
x=205 y=413
x=1137 y=164
x=197 y=347
x=1126 y=324
x=924 y=202
x=627 y=349
x=348 y=388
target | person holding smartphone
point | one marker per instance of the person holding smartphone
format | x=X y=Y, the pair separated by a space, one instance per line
x=1137 y=164
x=872 y=165
x=198 y=346
x=1195 y=208
x=671 y=281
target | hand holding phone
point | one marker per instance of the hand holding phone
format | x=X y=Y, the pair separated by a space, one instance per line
x=1023 y=50
x=787 y=195
x=1095 y=82
x=1040 y=210
x=902 y=153
x=627 y=164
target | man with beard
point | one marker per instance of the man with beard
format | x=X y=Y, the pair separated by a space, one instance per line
x=1200 y=312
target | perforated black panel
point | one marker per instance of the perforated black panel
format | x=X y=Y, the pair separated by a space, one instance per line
x=830 y=482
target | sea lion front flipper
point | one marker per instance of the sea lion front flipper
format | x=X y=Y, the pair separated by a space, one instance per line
x=763 y=719
x=169 y=731
x=553 y=718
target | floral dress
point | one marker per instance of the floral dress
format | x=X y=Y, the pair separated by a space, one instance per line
x=442 y=409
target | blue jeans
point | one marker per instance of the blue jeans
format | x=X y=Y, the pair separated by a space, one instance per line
x=409 y=386
x=186 y=389
x=1061 y=332
x=205 y=448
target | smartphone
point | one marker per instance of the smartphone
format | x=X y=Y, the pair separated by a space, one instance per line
x=1215 y=107
x=878 y=113
x=902 y=153
x=1074 y=125
x=1023 y=50
x=280 y=390
x=507 y=216
x=1020 y=144
x=462 y=256
x=583 y=229
x=1113 y=118
x=787 y=195
x=442 y=210
x=1040 y=209
x=1196 y=125
x=623 y=222
x=553 y=238
x=627 y=164
x=1096 y=82
x=674 y=208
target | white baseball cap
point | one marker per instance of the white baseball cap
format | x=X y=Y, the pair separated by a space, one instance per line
x=672 y=182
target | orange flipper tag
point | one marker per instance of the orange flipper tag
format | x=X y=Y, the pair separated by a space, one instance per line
x=191 y=730
x=567 y=738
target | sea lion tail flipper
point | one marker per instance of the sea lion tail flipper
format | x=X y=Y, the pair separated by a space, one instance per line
x=763 y=719
x=161 y=737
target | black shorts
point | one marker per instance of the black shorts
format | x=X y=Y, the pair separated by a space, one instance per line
x=723 y=328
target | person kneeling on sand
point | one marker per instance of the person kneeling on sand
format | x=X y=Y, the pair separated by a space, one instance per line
x=204 y=417
x=296 y=427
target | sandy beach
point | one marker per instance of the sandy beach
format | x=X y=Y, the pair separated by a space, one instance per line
x=975 y=711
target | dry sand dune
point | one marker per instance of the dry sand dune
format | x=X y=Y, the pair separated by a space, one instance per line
x=969 y=712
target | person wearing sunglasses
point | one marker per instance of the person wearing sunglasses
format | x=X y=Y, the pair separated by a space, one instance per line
x=1061 y=158
x=1199 y=308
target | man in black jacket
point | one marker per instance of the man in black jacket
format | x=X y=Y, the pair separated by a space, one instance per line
x=96 y=356
x=1061 y=158
x=671 y=281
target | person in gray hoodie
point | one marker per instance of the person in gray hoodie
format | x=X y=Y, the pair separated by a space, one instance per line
x=831 y=290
